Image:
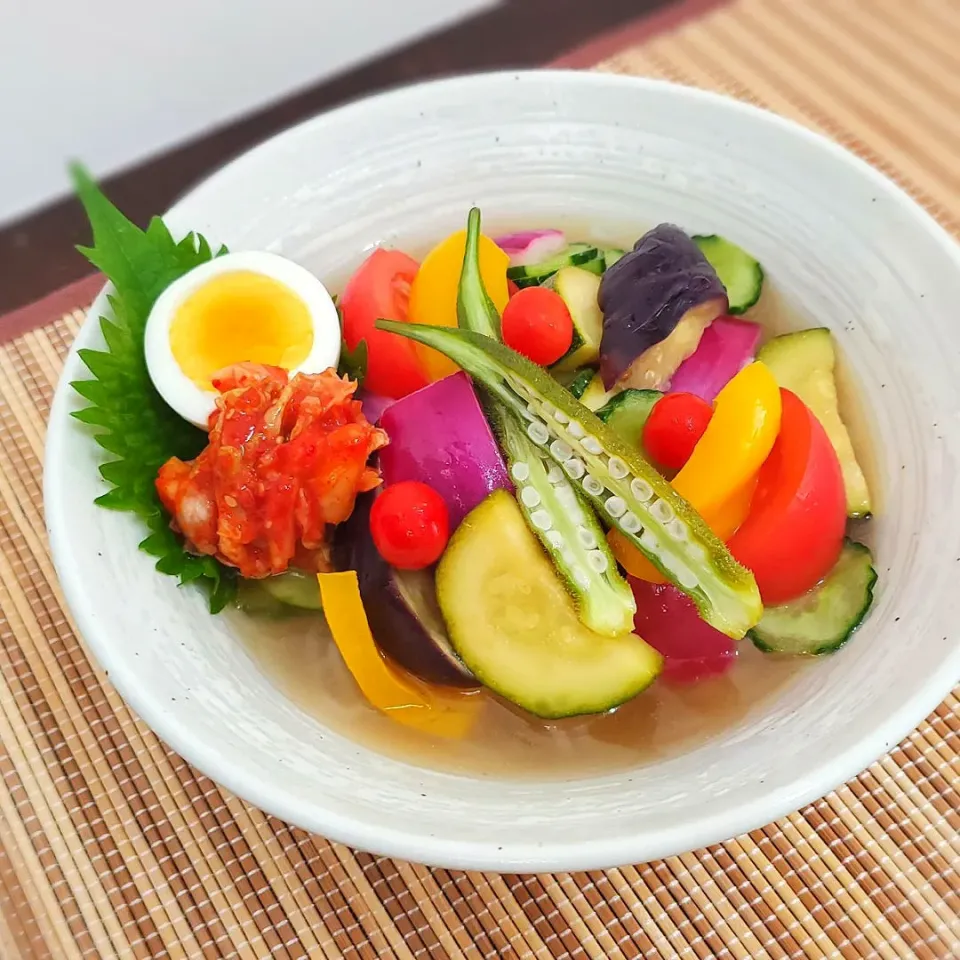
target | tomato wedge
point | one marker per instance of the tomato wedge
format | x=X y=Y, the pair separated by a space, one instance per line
x=793 y=534
x=381 y=289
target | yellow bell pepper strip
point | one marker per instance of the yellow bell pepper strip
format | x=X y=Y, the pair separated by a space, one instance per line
x=739 y=437
x=433 y=294
x=719 y=478
x=444 y=713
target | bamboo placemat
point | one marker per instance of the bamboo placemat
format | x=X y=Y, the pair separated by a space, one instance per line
x=111 y=846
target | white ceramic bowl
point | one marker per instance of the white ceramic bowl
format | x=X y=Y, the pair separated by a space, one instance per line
x=844 y=245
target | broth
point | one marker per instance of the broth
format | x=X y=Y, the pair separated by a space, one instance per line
x=300 y=658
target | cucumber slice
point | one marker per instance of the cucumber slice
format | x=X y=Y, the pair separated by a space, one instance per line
x=804 y=363
x=580 y=381
x=295 y=589
x=576 y=255
x=253 y=598
x=824 y=619
x=627 y=412
x=579 y=289
x=741 y=275
x=513 y=624
x=611 y=256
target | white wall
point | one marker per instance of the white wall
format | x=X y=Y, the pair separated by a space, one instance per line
x=110 y=82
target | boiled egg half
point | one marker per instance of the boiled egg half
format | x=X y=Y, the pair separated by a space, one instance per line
x=256 y=307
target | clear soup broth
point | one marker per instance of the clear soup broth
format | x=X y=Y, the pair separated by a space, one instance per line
x=300 y=658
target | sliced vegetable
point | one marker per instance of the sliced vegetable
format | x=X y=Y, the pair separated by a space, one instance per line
x=373 y=404
x=410 y=525
x=617 y=479
x=738 y=439
x=674 y=428
x=531 y=246
x=580 y=381
x=294 y=588
x=740 y=274
x=726 y=347
x=441 y=437
x=824 y=620
x=401 y=606
x=441 y=712
x=253 y=599
x=805 y=363
x=575 y=255
x=612 y=256
x=656 y=302
x=579 y=289
x=381 y=288
x=433 y=294
x=692 y=650
x=595 y=395
x=514 y=625
x=794 y=532
x=566 y=527
x=537 y=323
x=627 y=412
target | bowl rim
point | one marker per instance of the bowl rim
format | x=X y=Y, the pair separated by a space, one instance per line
x=482 y=855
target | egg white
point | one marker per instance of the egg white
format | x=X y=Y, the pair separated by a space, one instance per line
x=192 y=402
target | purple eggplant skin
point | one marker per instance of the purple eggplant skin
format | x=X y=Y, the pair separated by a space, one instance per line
x=646 y=293
x=401 y=605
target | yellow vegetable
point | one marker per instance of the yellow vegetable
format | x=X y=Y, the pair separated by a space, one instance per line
x=433 y=294
x=397 y=694
x=739 y=437
x=719 y=478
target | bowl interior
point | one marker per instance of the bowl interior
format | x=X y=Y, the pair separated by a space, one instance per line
x=842 y=246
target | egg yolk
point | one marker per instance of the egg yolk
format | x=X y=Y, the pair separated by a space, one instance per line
x=237 y=317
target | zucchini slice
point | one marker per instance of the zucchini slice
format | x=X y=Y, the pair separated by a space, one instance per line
x=804 y=362
x=627 y=413
x=295 y=589
x=580 y=289
x=514 y=625
x=823 y=620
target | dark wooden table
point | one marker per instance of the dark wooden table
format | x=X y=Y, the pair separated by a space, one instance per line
x=37 y=255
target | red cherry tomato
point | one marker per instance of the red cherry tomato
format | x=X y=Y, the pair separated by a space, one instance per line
x=794 y=531
x=674 y=427
x=410 y=525
x=381 y=288
x=537 y=323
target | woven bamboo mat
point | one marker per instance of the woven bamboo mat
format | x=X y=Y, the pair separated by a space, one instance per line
x=111 y=846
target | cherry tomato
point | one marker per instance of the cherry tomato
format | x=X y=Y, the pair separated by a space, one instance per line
x=674 y=427
x=381 y=288
x=537 y=323
x=410 y=525
x=794 y=531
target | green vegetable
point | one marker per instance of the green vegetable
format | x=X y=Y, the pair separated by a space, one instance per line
x=595 y=396
x=581 y=381
x=612 y=256
x=575 y=541
x=294 y=588
x=823 y=620
x=577 y=254
x=579 y=289
x=132 y=422
x=253 y=598
x=513 y=625
x=627 y=413
x=805 y=363
x=740 y=274
x=636 y=499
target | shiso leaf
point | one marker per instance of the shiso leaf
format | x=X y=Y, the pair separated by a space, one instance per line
x=131 y=419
